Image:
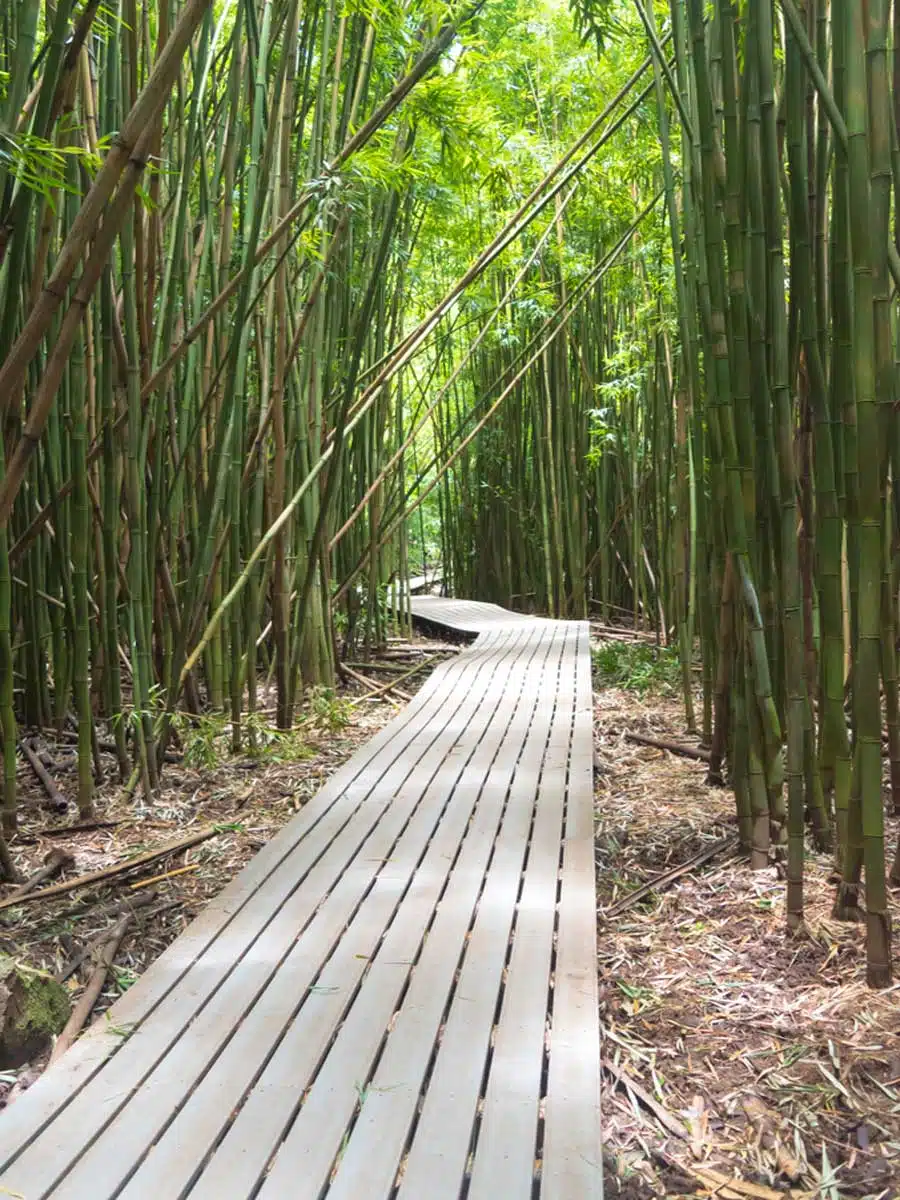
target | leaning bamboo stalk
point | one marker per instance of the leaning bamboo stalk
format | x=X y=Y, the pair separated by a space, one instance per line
x=561 y=313
x=56 y=364
x=428 y=413
x=282 y=519
x=123 y=152
x=515 y=225
x=401 y=90
x=574 y=301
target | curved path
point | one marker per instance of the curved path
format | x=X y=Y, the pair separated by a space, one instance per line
x=395 y=999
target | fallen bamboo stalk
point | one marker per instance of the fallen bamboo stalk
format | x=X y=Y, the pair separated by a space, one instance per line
x=405 y=649
x=693 y=752
x=58 y=802
x=127 y=907
x=74 y=962
x=71 y=735
x=120 y=868
x=727 y=1187
x=604 y=638
x=91 y=995
x=376 y=689
x=80 y=827
x=665 y=1118
x=117 y=908
x=373 y=691
x=667 y=878
x=56 y=861
x=113 y=908
x=616 y=631
x=142 y=883
x=387 y=667
x=401 y=679
x=108 y=747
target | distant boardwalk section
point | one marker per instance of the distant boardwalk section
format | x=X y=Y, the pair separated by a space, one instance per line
x=396 y=998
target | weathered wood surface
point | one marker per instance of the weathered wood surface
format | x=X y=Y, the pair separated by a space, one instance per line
x=396 y=998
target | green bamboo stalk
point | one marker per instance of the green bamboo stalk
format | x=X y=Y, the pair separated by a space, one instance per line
x=866 y=699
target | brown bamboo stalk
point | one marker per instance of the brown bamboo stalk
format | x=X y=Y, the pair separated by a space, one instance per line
x=58 y=802
x=120 y=868
x=91 y=994
x=144 y=112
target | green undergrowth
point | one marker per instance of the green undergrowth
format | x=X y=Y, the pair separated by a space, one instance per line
x=206 y=739
x=647 y=670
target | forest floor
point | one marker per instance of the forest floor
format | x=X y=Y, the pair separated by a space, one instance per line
x=241 y=801
x=738 y=1061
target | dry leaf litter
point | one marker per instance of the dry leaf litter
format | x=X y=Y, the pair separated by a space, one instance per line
x=761 y=1063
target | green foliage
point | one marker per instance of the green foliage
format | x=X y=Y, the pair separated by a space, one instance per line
x=109 y=22
x=275 y=745
x=378 y=167
x=524 y=87
x=40 y=165
x=595 y=21
x=36 y=1008
x=424 y=534
x=199 y=737
x=445 y=103
x=206 y=738
x=516 y=86
x=637 y=668
x=328 y=711
x=123 y=978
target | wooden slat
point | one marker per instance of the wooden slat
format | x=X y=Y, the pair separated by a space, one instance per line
x=371 y=1159
x=466 y=616
x=327 y=1026
x=315 y=1139
x=437 y=1157
x=196 y=1129
x=42 y=1101
x=262 y=924
x=505 y=1149
x=572 y=1159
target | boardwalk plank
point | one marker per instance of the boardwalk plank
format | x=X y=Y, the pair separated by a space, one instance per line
x=42 y=1102
x=572 y=1159
x=505 y=1150
x=391 y=994
x=255 y=939
x=314 y=1141
x=437 y=1158
x=197 y=1128
x=374 y=1151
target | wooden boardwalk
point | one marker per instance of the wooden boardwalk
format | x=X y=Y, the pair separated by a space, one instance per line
x=395 y=998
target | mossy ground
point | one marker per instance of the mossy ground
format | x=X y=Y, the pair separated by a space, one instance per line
x=34 y=1010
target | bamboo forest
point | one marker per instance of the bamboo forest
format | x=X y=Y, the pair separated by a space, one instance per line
x=316 y=312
